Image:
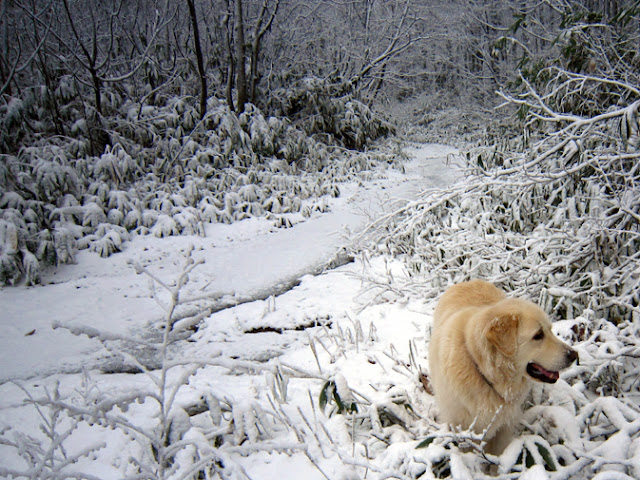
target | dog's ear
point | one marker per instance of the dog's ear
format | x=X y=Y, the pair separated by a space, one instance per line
x=502 y=332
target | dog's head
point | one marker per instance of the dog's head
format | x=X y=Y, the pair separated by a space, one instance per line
x=520 y=331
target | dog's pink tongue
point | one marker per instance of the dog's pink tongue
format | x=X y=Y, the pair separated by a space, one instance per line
x=554 y=375
x=550 y=375
x=542 y=374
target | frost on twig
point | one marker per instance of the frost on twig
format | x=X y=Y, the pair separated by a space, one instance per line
x=46 y=454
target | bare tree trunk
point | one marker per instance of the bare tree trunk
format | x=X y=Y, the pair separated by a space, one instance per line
x=198 y=49
x=229 y=51
x=97 y=90
x=241 y=75
x=259 y=32
x=91 y=57
x=393 y=49
x=6 y=70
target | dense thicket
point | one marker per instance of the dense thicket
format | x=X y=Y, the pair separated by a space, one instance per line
x=550 y=210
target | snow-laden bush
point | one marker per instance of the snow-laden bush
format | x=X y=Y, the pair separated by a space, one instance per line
x=557 y=220
x=10 y=263
x=106 y=239
x=330 y=113
x=115 y=165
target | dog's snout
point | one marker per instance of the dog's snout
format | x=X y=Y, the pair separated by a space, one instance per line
x=572 y=356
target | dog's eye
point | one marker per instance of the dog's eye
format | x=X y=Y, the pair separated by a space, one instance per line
x=539 y=335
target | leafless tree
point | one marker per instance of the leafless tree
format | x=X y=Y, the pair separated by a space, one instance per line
x=261 y=28
x=242 y=67
x=13 y=59
x=239 y=59
x=198 y=49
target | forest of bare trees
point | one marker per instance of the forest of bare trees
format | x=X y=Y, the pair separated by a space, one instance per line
x=64 y=62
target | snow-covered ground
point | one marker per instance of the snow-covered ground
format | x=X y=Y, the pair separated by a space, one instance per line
x=245 y=259
x=324 y=328
x=297 y=370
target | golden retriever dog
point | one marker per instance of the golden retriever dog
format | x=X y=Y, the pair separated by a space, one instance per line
x=484 y=350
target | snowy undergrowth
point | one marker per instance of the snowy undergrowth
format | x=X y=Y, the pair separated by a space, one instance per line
x=181 y=419
x=167 y=173
x=243 y=398
x=296 y=386
x=550 y=215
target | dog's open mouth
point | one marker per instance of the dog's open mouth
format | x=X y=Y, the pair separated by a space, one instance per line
x=539 y=373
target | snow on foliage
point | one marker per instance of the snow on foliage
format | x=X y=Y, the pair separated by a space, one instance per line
x=552 y=215
x=167 y=177
x=298 y=386
x=330 y=113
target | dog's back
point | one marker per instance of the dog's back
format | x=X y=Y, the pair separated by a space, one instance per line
x=475 y=293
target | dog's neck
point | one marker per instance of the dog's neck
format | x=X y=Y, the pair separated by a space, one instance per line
x=487 y=381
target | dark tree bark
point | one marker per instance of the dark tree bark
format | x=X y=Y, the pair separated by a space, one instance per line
x=241 y=73
x=261 y=29
x=90 y=56
x=198 y=49
x=226 y=20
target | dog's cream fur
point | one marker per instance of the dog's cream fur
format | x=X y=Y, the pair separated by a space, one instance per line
x=484 y=350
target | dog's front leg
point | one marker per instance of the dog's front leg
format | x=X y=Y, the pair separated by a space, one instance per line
x=500 y=441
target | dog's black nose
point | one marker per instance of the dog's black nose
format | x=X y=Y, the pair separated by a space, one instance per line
x=572 y=355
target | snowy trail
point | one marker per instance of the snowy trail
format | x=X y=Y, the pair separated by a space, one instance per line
x=248 y=258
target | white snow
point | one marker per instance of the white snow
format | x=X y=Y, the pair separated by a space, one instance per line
x=253 y=404
x=242 y=259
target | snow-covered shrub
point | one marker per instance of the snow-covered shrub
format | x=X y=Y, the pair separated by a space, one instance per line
x=149 y=218
x=160 y=163
x=10 y=264
x=105 y=240
x=165 y=226
x=132 y=220
x=12 y=200
x=209 y=208
x=13 y=111
x=54 y=180
x=97 y=192
x=121 y=200
x=93 y=215
x=262 y=132
x=65 y=236
x=330 y=114
x=49 y=455
x=189 y=222
x=557 y=220
x=31 y=266
x=115 y=216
